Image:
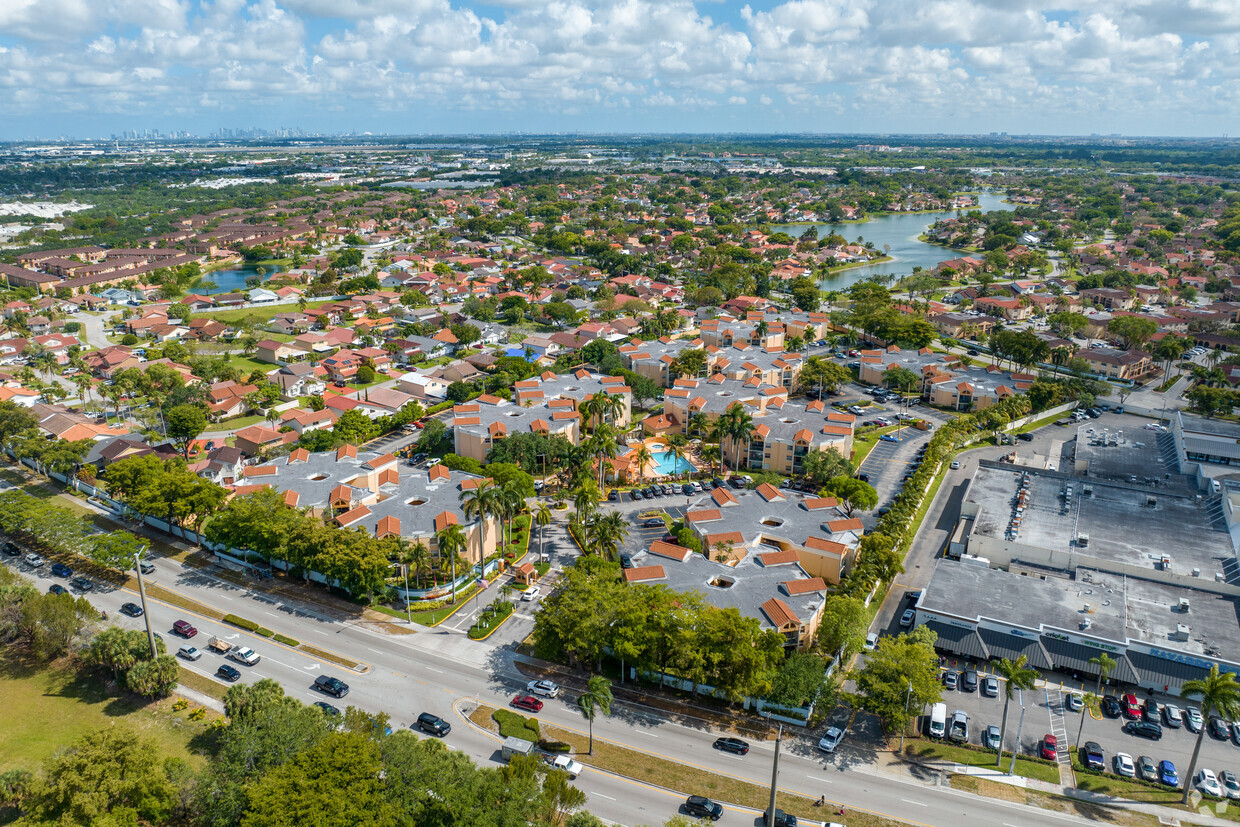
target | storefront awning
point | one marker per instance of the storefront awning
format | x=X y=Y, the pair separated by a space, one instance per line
x=959 y=641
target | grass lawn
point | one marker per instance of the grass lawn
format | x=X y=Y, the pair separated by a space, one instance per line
x=931 y=491
x=937 y=751
x=264 y=313
x=235 y=424
x=46 y=707
x=248 y=365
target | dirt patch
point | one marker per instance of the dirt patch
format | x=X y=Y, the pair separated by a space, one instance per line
x=990 y=789
x=382 y=623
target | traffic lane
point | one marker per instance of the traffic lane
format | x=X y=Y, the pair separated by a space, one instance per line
x=1176 y=745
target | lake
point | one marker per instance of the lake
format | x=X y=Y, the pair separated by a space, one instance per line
x=228 y=280
x=900 y=231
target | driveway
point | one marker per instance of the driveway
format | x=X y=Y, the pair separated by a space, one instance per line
x=93 y=327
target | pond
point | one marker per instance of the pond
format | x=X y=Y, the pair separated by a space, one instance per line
x=896 y=234
x=226 y=281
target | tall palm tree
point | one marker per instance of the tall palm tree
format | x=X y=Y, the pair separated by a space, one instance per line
x=1219 y=693
x=1106 y=665
x=1091 y=703
x=420 y=557
x=452 y=541
x=738 y=427
x=711 y=454
x=481 y=504
x=597 y=698
x=680 y=453
x=640 y=458
x=603 y=446
x=608 y=533
x=586 y=499
x=511 y=502
x=1016 y=675
x=542 y=518
x=698 y=423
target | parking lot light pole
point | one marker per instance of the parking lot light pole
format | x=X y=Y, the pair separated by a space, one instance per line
x=907 y=696
x=146 y=616
x=1019 y=726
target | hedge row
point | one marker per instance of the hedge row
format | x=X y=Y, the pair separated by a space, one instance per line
x=251 y=626
x=512 y=725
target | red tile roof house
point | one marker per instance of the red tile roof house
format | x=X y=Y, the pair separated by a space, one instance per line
x=253 y=440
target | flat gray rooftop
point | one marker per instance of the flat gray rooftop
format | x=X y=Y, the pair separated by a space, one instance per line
x=1124 y=453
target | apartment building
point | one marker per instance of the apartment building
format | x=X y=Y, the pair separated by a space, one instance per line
x=478 y=425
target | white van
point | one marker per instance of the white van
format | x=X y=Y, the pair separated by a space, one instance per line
x=938 y=720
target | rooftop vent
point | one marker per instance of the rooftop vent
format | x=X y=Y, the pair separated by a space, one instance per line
x=1181 y=632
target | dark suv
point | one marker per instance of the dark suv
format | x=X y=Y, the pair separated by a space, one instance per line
x=433 y=724
x=703 y=807
x=331 y=686
x=782 y=819
x=1144 y=729
x=1091 y=756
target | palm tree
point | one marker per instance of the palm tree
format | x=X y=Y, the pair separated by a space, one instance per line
x=452 y=541
x=420 y=557
x=603 y=447
x=481 y=503
x=640 y=458
x=542 y=518
x=511 y=502
x=679 y=452
x=1219 y=693
x=698 y=423
x=1106 y=664
x=1092 y=703
x=1016 y=675
x=608 y=533
x=586 y=500
x=597 y=698
x=737 y=426
x=711 y=454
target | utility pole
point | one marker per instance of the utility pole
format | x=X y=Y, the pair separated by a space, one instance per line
x=770 y=810
x=1019 y=726
x=907 y=696
x=146 y=616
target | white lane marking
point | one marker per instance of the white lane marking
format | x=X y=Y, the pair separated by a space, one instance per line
x=270 y=614
x=647 y=734
x=600 y=795
x=320 y=631
x=819 y=780
x=433 y=669
x=911 y=801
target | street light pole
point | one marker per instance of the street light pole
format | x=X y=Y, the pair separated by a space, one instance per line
x=146 y=616
x=770 y=810
x=1019 y=726
x=907 y=696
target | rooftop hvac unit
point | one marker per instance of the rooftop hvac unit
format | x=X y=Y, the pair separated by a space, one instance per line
x=1184 y=605
x=1082 y=541
x=1086 y=609
x=1181 y=632
x=1086 y=623
x=1196 y=572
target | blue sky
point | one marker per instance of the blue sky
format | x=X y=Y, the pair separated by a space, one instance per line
x=87 y=68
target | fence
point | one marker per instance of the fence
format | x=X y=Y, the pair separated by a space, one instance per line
x=798 y=715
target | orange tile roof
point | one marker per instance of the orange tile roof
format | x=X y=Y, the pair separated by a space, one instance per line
x=387 y=525
x=471 y=484
x=438 y=471
x=670 y=550
x=291 y=498
x=769 y=492
x=341 y=493
x=723 y=496
x=642 y=573
x=815 y=503
x=779 y=558
x=298 y=455
x=445 y=519
x=379 y=462
x=467 y=420
x=853 y=524
x=261 y=471
x=797 y=587
x=353 y=515
x=704 y=515
x=779 y=613
x=346 y=451
x=838 y=549
x=730 y=537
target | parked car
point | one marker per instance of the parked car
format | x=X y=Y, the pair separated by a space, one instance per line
x=1123 y=765
x=228 y=673
x=1147 y=769
x=968 y=681
x=433 y=724
x=1132 y=709
x=1172 y=716
x=1073 y=702
x=10 y=549
x=545 y=689
x=1167 y=775
x=82 y=583
x=950 y=679
x=990 y=686
x=131 y=609
x=61 y=570
x=56 y=588
x=1050 y=747
x=889 y=438
x=990 y=737
x=702 y=807
x=189 y=652
x=626 y=560
x=527 y=702
x=1092 y=756
x=1220 y=729
x=907 y=618
x=831 y=739
x=1192 y=719
x=1152 y=712
x=1207 y=783
x=331 y=686
x=653 y=522
x=958 y=729
x=1111 y=707
x=1227 y=781
x=733 y=745
x=35 y=560
x=1144 y=729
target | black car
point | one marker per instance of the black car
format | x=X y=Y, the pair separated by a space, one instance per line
x=736 y=482
x=1025 y=437
x=328 y=710
x=863 y=477
x=686 y=489
x=331 y=686
x=131 y=609
x=61 y=570
x=1220 y=729
x=433 y=724
x=968 y=681
x=653 y=522
x=82 y=584
x=782 y=819
x=1092 y=756
x=10 y=549
x=637 y=494
x=735 y=745
x=56 y=588
x=703 y=807
x=228 y=673
x=716 y=482
x=613 y=496
x=626 y=561
x=1111 y=707
x=1144 y=729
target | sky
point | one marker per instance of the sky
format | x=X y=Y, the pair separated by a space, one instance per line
x=91 y=68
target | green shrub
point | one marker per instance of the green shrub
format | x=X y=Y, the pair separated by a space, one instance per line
x=248 y=625
x=512 y=725
x=287 y=641
x=264 y=632
x=555 y=746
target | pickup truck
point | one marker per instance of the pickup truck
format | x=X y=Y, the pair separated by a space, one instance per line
x=568 y=765
x=219 y=645
x=244 y=654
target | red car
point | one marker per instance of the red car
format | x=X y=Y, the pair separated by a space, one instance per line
x=1132 y=708
x=1050 y=747
x=527 y=702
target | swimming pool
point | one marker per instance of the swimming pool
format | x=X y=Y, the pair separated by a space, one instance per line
x=667 y=463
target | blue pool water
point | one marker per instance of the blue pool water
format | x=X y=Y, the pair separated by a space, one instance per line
x=665 y=462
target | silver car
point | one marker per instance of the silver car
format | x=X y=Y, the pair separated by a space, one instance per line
x=831 y=739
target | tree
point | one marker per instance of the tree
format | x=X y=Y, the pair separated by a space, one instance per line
x=354 y=427
x=823 y=375
x=459 y=391
x=1017 y=676
x=450 y=542
x=852 y=494
x=843 y=625
x=896 y=664
x=805 y=294
x=185 y=423
x=50 y=623
x=110 y=776
x=156 y=678
x=1132 y=331
x=244 y=702
x=114 y=549
x=597 y=698
x=542 y=518
x=1218 y=693
x=799 y=680
x=1106 y=664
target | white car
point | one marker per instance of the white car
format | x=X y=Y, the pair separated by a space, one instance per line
x=530 y=594
x=907 y=618
x=1193 y=719
x=568 y=765
x=1124 y=765
x=189 y=653
x=546 y=689
x=35 y=560
x=1207 y=784
x=245 y=655
x=831 y=739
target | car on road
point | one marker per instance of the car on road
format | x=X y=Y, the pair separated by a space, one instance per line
x=871 y=641
x=527 y=702
x=1207 y=783
x=955 y=464
x=328 y=710
x=146 y=568
x=531 y=594
x=831 y=739
x=950 y=679
x=1235 y=733
x=1230 y=784
x=889 y=438
x=1167 y=775
x=565 y=764
x=968 y=681
x=1111 y=707
x=331 y=686
x=1073 y=702
x=244 y=655
x=35 y=560
x=10 y=549
x=1122 y=763
x=1092 y=756
x=228 y=673
x=1132 y=709
x=1147 y=769
x=907 y=618
x=131 y=609
x=545 y=689
x=1172 y=716
x=61 y=570
x=56 y=588
x=990 y=686
x=82 y=583
x=189 y=653
x=184 y=628
x=990 y=737
x=733 y=745
x=1050 y=747
x=702 y=807
x=1144 y=729
x=1192 y=719
x=1220 y=729
x=433 y=724
x=781 y=819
